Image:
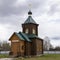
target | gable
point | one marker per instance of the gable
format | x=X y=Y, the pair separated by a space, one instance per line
x=15 y=36
x=19 y=36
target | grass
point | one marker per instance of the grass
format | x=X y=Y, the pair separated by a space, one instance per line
x=44 y=57
x=4 y=56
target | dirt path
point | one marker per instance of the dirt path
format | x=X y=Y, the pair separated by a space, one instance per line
x=6 y=58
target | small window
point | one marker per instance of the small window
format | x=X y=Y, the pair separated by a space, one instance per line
x=33 y=31
x=23 y=47
x=26 y=31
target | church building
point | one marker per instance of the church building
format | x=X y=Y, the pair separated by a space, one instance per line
x=27 y=42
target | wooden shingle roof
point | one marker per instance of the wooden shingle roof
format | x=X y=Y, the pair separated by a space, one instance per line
x=30 y=20
x=26 y=37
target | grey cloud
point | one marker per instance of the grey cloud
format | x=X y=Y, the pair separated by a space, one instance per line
x=36 y=3
x=55 y=20
x=38 y=6
x=7 y=7
x=54 y=8
x=56 y=38
x=12 y=20
x=14 y=16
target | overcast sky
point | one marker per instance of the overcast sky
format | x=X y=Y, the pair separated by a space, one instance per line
x=45 y=12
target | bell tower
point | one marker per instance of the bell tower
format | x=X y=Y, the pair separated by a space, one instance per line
x=30 y=26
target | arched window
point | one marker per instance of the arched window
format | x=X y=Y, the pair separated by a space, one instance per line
x=33 y=31
x=23 y=47
x=26 y=31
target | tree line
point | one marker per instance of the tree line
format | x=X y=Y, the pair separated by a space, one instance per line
x=5 y=46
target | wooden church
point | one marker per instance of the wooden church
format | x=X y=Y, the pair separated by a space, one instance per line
x=27 y=42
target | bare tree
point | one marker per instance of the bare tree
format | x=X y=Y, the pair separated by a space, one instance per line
x=5 y=46
x=47 y=44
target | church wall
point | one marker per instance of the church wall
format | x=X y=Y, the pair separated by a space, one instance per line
x=14 y=37
x=39 y=46
x=27 y=48
x=17 y=46
x=30 y=27
x=33 y=47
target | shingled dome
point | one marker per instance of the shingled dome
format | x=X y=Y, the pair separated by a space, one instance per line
x=30 y=19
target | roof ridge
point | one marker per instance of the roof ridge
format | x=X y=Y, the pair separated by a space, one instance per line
x=25 y=36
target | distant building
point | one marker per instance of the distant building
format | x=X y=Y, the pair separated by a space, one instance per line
x=27 y=42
